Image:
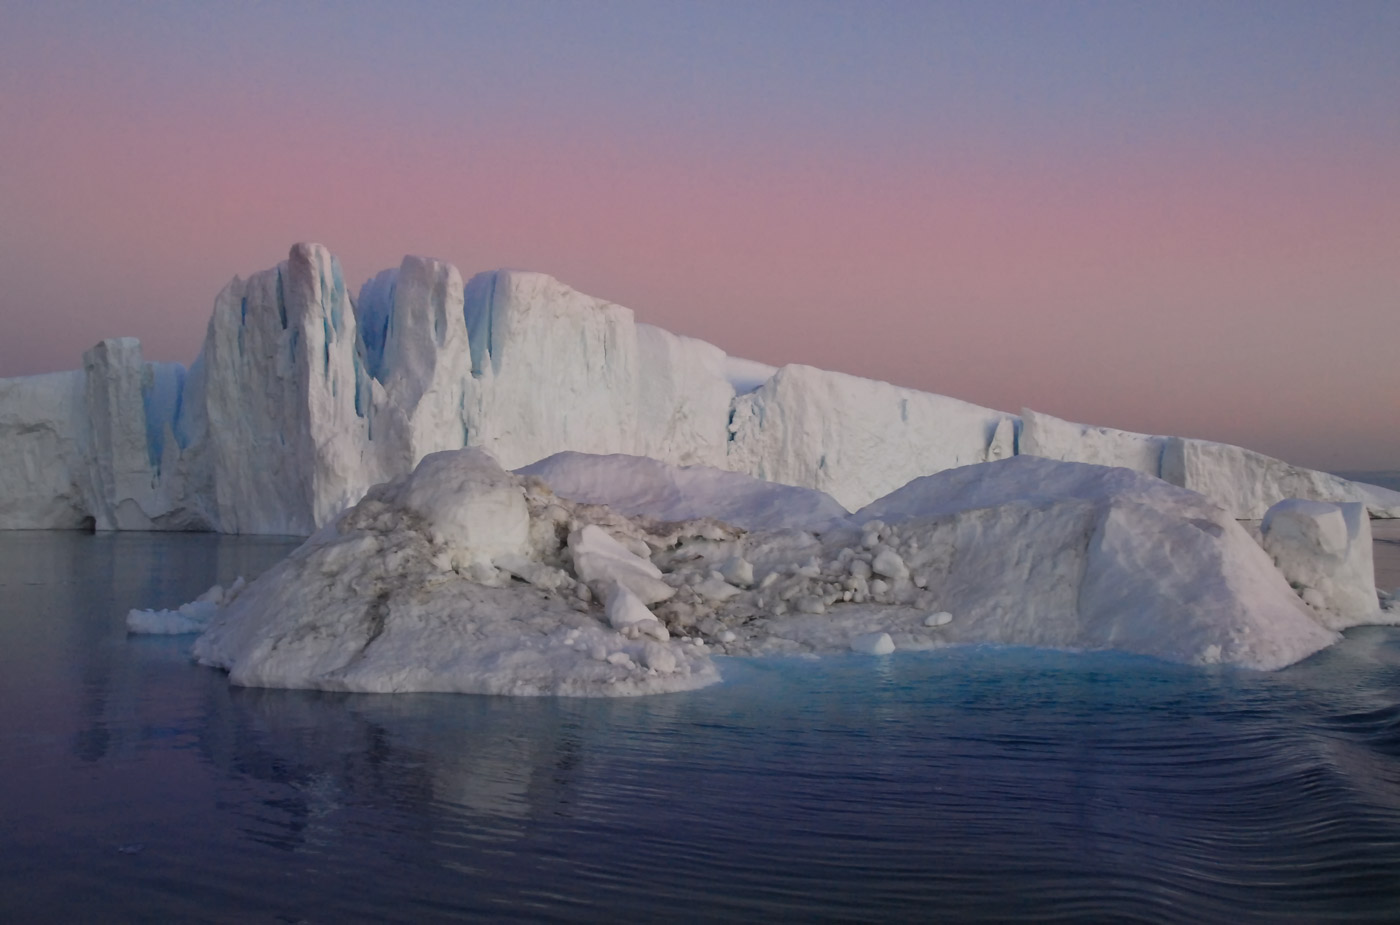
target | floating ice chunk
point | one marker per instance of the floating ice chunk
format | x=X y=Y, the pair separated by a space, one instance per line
x=193 y=617
x=942 y=618
x=214 y=595
x=872 y=644
x=1324 y=550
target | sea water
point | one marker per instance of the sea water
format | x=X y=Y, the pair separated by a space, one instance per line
x=970 y=783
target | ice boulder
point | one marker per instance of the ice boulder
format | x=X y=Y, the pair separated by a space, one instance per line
x=600 y=559
x=464 y=503
x=638 y=486
x=1324 y=550
x=1030 y=551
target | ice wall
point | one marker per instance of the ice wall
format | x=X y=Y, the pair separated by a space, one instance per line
x=855 y=439
x=1242 y=481
x=300 y=400
x=684 y=399
x=42 y=470
x=558 y=370
x=1249 y=483
x=1051 y=438
x=282 y=410
x=422 y=374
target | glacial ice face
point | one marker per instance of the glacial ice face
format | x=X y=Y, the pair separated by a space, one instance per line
x=558 y=369
x=285 y=445
x=1247 y=483
x=853 y=438
x=1244 y=482
x=684 y=399
x=420 y=401
x=42 y=467
x=1051 y=438
x=298 y=403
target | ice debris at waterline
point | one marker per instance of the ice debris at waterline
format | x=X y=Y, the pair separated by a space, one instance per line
x=462 y=576
x=302 y=397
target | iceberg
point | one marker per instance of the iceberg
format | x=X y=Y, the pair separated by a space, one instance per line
x=302 y=397
x=462 y=576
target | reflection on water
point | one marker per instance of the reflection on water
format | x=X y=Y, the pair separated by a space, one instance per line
x=979 y=783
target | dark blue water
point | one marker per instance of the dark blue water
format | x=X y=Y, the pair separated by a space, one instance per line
x=988 y=784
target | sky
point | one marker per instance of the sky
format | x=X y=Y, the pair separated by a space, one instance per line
x=1169 y=217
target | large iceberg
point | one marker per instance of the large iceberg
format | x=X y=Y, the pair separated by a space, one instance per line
x=303 y=397
x=461 y=576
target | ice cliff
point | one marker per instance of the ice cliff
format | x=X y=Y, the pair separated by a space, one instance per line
x=303 y=397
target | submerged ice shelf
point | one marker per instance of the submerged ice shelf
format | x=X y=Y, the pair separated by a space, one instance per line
x=302 y=398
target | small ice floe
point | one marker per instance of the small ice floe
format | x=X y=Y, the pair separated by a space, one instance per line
x=193 y=617
x=872 y=644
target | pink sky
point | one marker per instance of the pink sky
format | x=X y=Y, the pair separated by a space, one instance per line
x=1234 y=284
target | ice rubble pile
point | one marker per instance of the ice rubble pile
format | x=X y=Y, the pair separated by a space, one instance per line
x=303 y=398
x=464 y=577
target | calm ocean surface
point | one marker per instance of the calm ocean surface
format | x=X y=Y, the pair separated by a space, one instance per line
x=992 y=784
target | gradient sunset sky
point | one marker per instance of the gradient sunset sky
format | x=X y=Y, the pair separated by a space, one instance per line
x=1167 y=217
